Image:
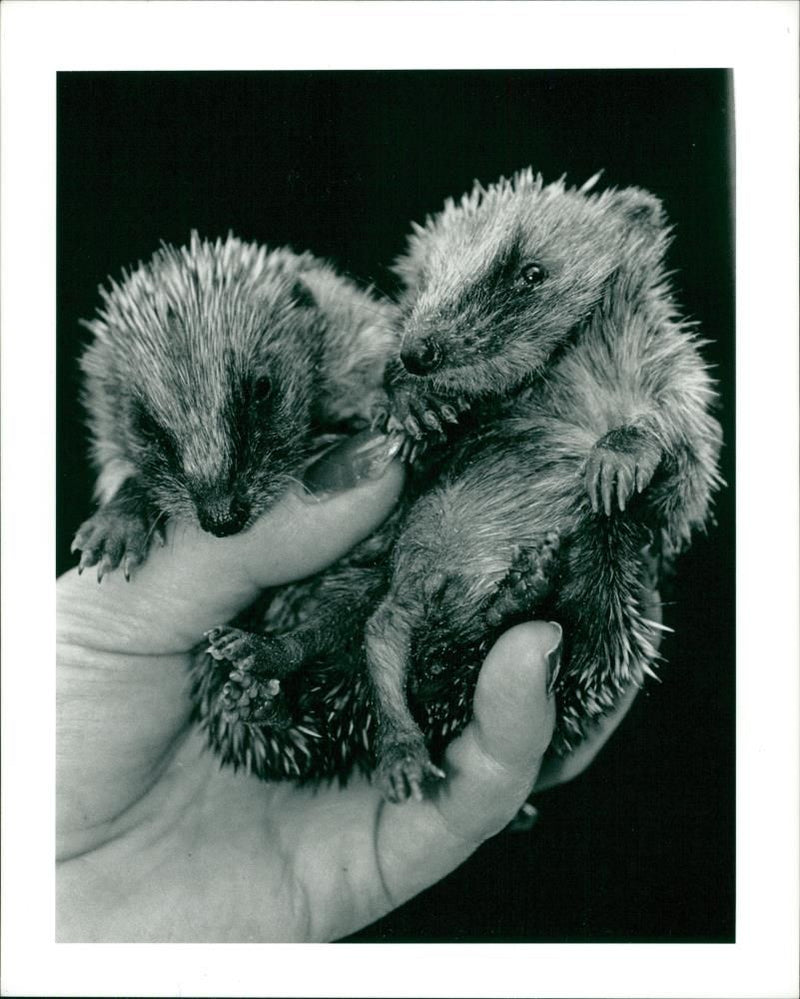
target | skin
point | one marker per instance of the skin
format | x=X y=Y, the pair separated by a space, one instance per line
x=156 y=843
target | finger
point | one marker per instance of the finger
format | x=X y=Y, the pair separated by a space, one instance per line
x=198 y=581
x=493 y=765
x=490 y=768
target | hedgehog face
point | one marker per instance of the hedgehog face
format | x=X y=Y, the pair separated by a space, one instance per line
x=498 y=282
x=208 y=356
x=220 y=438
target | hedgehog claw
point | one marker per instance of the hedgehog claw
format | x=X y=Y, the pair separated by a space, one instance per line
x=430 y=419
x=131 y=560
x=448 y=413
x=110 y=538
x=393 y=425
x=412 y=427
x=380 y=418
x=88 y=558
x=626 y=457
x=607 y=479
x=626 y=484
x=592 y=478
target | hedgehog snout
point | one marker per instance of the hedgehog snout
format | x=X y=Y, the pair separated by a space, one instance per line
x=222 y=515
x=422 y=357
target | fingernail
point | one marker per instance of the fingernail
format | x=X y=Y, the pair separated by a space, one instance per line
x=364 y=457
x=554 y=659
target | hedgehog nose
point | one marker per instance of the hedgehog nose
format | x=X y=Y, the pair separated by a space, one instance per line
x=223 y=517
x=423 y=358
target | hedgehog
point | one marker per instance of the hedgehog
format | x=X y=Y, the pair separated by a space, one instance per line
x=545 y=314
x=608 y=445
x=216 y=370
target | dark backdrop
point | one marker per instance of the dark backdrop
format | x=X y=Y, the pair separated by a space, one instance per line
x=641 y=847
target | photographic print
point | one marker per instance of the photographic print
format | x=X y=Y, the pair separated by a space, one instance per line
x=552 y=354
x=399 y=539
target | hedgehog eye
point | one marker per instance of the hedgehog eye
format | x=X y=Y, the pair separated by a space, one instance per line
x=262 y=389
x=153 y=433
x=532 y=274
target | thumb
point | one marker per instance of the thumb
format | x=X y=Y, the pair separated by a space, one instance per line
x=490 y=768
x=198 y=581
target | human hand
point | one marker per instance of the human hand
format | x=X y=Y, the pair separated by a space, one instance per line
x=157 y=843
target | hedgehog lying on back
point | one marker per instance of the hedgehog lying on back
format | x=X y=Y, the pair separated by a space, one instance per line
x=612 y=447
x=213 y=371
x=554 y=304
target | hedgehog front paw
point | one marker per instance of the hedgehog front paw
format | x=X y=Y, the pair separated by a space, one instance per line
x=621 y=463
x=419 y=417
x=404 y=767
x=111 y=538
x=249 y=696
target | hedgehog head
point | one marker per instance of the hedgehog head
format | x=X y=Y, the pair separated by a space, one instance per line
x=495 y=283
x=201 y=376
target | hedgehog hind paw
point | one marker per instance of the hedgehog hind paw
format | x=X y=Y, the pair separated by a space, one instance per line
x=241 y=648
x=251 y=701
x=404 y=769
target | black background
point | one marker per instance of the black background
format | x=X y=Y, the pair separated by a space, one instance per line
x=641 y=847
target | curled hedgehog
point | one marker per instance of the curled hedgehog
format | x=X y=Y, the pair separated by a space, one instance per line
x=567 y=417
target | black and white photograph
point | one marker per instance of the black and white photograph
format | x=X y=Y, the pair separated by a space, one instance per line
x=311 y=288
x=397 y=511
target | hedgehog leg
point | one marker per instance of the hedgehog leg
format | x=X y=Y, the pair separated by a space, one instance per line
x=261 y=661
x=120 y=532
x=680 y=461
x=527 y=583
x=601 y=606
x=403 y=759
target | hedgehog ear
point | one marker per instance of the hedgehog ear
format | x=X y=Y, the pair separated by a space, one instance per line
x=641 y=209
x=302 y=296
